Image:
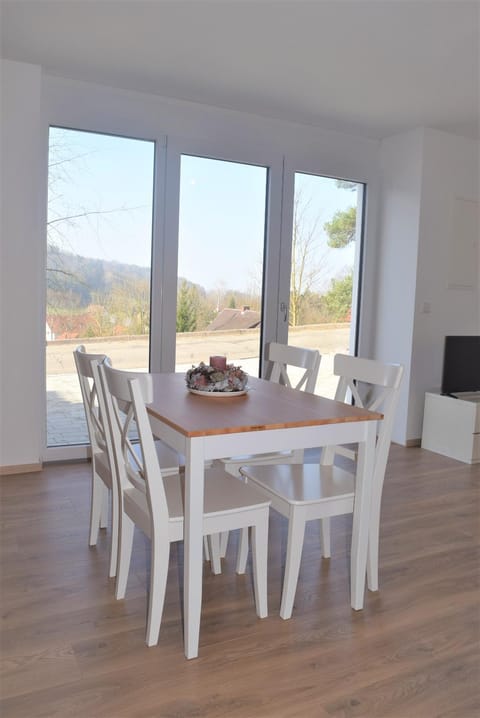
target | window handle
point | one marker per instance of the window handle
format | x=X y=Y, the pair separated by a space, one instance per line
x=284 y=310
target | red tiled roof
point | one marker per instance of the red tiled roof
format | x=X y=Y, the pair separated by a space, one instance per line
x=235 y=319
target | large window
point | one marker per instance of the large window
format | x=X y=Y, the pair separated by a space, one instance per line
x=325 y=269
x=244 y=253
x=99 y=240
x=220 y=262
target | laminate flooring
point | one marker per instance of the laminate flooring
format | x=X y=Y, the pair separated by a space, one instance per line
x=70 y=650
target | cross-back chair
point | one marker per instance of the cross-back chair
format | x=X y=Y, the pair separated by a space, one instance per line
x=303 y=492
x=154 y=503
x=296 y=368
x=101 y=474
x=104 y=491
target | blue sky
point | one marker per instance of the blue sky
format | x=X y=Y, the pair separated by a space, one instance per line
x=98 y=173
x=222 y=208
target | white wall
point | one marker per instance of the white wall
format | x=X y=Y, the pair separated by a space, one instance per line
x=22 y=249
x=401 y=166
x=450 y=177
x=34 y=102
x=423 y=173
x=84 y=105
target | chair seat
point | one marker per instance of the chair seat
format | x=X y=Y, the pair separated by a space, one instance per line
x=102 y=467
x=168 y=459
x=302 y=483
x=223 y=495
x=301 y=493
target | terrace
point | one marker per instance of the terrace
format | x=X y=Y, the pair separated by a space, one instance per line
x=66 y=420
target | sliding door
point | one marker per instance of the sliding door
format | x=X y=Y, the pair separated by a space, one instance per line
x=244 y=252
x=98 y=279
x=322 y=266
x=221 y=248
x=219 y=286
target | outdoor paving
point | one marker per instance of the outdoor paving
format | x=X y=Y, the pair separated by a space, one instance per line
x=66 y=424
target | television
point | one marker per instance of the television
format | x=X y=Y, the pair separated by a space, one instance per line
x=461 y=365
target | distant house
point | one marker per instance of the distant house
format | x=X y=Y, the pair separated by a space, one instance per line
x=68 y=326
x=49 y=335
x=235 y=319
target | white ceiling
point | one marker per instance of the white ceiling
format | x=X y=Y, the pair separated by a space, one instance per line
x=368 y=67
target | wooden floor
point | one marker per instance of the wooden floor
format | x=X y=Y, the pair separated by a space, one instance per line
x=68 y=649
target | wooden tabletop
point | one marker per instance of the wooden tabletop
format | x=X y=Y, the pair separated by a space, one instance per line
x=266 y=406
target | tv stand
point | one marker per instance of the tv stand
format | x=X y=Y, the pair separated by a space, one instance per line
x=451 y=425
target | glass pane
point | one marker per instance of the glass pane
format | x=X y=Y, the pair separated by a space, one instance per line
x=220 y=262
x=98 y=264
x=325 y=251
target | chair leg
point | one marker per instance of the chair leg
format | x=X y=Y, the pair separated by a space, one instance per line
x=372 y=559
x=259 y=560
x=214 y=545
x=373 y=542
x=125 y=542
x=325 y=528
x=296 y=533
x=95 y=508
x=114 y=542
x=212 y=552
x=364 y=501
x=105 y=502
x=158 y=583
x=242 y=554
x=223 y=543
x=206 y=549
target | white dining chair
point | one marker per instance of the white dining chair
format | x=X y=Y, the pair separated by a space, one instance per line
x=306 y=491
x=297 y=368
x=154 y=503
x=103 y=494
x=101 y=474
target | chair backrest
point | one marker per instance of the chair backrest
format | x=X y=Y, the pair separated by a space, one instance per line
x=88 y=387
x=373 y=385
x=284 y=358
x=125 y=394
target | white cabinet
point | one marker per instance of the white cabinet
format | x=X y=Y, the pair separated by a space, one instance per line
x=452 y=427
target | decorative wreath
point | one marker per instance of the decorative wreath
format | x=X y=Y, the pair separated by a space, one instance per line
x=207 y=378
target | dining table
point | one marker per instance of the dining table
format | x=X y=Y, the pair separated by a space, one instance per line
x=268 y=417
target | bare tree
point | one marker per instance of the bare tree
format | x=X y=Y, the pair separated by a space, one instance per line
x=73 y=280
x=62 y=156
x=310 y=261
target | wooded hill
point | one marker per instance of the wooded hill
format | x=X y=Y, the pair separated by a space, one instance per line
x=75 y=282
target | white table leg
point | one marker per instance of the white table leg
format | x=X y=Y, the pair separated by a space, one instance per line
x=193 y=544
x=361 y=515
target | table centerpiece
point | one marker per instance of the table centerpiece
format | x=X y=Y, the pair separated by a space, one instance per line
x=218 y=377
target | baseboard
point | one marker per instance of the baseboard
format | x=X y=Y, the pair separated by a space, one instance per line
x=409 y=443
x=20 y=469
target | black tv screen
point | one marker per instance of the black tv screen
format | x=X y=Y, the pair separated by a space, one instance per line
x=461 y=365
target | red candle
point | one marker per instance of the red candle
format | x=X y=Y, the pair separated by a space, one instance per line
x=219 y=363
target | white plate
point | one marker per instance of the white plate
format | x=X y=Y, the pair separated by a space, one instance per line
x=218 y=394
